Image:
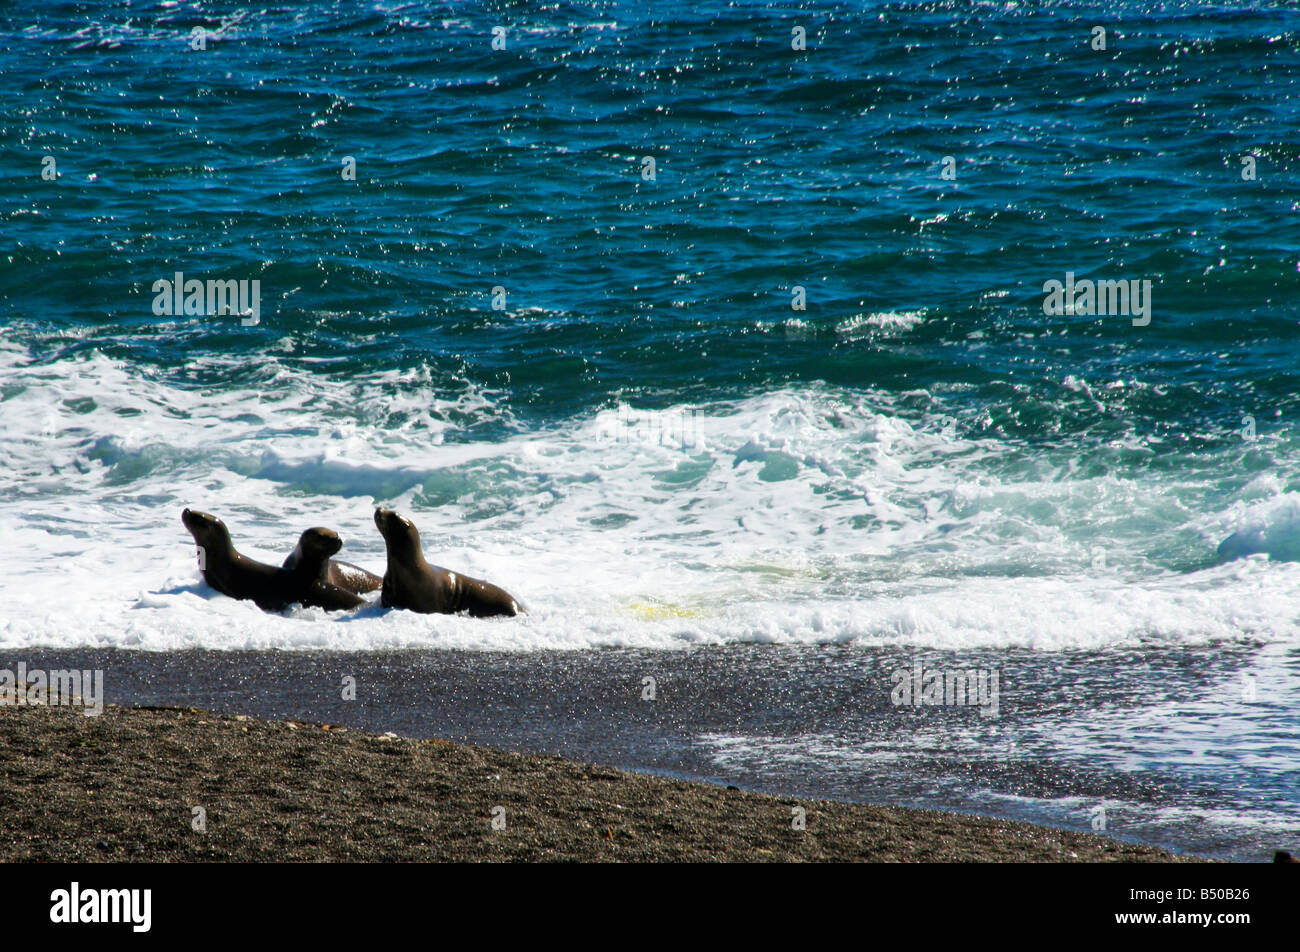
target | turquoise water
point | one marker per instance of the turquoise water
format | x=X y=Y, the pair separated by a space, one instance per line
x=638 y=434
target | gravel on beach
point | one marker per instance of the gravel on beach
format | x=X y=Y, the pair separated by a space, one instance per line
x=125 y=786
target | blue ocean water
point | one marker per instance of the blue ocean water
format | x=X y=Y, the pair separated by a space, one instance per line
x=790 y=384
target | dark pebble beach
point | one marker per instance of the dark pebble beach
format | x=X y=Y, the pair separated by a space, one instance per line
x=124 y=786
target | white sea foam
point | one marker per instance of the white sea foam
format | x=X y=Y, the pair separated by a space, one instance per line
x=810 y=515
x=884 y=323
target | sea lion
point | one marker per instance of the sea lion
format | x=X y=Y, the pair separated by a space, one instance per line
x=311 y=559
x=272 y=588
x=411 y=582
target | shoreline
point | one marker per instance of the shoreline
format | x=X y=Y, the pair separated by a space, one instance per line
x=125 y=785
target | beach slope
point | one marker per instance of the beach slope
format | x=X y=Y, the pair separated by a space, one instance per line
x=187 y=785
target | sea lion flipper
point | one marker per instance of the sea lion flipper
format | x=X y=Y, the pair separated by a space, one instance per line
x=330 y=597
x=353 y=577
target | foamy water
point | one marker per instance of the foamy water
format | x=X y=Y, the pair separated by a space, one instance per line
x=807 y=515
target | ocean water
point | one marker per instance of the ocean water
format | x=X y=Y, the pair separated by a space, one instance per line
x=587 y=377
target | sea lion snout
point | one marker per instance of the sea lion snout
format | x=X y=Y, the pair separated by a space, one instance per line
x=387 y=520
x=199 y=523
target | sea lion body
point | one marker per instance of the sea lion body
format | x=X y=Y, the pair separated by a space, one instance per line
x=272 y=589
x=311 y=559
x=411 y=582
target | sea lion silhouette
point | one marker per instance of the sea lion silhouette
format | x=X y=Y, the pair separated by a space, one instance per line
x=272 y=588
x=411 y=582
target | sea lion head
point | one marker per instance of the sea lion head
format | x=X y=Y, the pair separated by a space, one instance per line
x=208 y=531
x=319 y=544
x=399 y=532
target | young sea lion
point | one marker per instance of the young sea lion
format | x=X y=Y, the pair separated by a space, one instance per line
x=311 y=559
x=272 y=588
x=411 y=582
